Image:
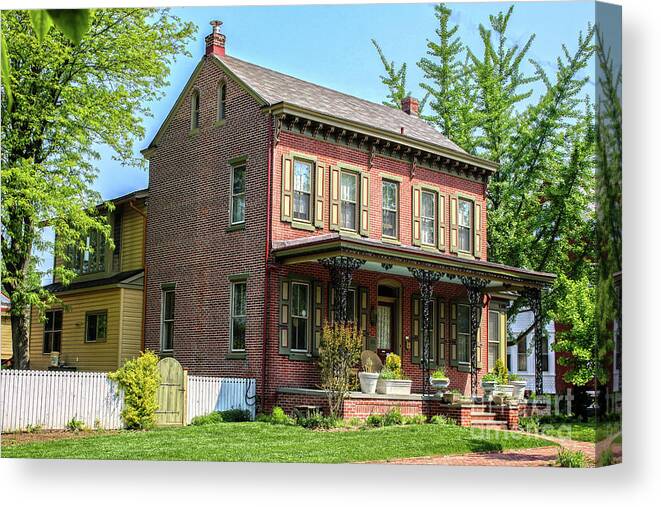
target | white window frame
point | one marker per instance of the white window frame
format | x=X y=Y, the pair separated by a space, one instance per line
x=424 y=219
x=307 y=318
x=233 y=195
x=232 y=316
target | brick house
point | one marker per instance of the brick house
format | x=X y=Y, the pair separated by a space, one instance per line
x=276 y=204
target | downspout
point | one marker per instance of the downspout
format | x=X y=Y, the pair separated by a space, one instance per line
x=267 y=253
x=144 y=273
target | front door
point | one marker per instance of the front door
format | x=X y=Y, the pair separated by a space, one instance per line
x=385 y=328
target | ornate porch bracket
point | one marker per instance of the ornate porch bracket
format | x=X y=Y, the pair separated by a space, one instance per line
x=474 y=287
x=534 y=297
x=426 y=279
x=341 y=272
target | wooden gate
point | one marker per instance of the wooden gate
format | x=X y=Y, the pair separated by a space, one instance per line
x=171 y=393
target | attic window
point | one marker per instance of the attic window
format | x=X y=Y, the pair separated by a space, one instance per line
x=222 y=93
x=195 y=110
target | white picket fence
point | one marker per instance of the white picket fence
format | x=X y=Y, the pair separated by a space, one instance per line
x=50 y=399
x=206 y=394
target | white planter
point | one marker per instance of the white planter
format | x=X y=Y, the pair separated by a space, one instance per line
x=519 y=389
x=440 y=384
x=368 y=382
x=488 y=387
x=393 y=386
x=504 y=389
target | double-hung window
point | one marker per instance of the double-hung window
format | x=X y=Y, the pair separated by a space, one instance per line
x=92 y=258
x=300 y=315
x=494 y=337
x=96 y=326
x=238 y=211
x=428 y=217
x=53 y=331
x=302 y=190
x=463 y=333
x=167 y=319
x=522 y=355
x=239 y=299
x=465 y=224
x=389 y=209
x=349 y=200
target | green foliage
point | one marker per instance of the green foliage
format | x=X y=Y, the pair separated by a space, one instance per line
x=374 y=420
x=139 y=379
x=490 y=377
x=318 y=421
x=439 y=373
x=33 y=428
x=500 y=372
x=513 y=377
x=529 y=424
x=576 y=310
x=395 y=80
x=392 y=370
x=571 y=459
x=232 y=415
x=606 y=458
x=414 y=419
x=341 y=345
x=68 y=99
x=393 y=417
x=75 y=425
x=442 y=420
x=277 y=416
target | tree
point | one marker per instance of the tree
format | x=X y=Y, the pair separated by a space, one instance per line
x=339 y=351
x=69 y=98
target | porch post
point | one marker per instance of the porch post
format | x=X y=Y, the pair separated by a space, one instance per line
x=341 y=272
x=426 y=279
x=474 y=287
x=534 y=297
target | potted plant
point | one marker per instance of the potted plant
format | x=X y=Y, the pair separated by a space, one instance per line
x=502 y=379
x=368 y=378
x=519 y=386
x=489 y=382
x=392 y=379
x=439 y=380
x=452 y=397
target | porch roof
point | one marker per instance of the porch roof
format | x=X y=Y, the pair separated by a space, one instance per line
x=396 y=258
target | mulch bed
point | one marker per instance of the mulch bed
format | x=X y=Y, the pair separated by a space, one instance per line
x=46 y=435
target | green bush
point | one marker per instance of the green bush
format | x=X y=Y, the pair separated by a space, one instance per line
x=393 y=417
x=317 y=421
x=235 y=415
x=33 y=428
x=571 y=459
x=415 y=419
x=203 y=420
x=139 y=379
x=75 y=425
x=500 y=370
x=278 y=416
x=529 y=424
x=374 y=420
x=607 y=458
x=490 y=377
x=439 y=373
x=441 y=420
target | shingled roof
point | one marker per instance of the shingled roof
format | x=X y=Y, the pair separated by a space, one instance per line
x=274 y=87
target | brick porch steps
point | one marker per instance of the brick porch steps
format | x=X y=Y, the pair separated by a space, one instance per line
x=483 y=418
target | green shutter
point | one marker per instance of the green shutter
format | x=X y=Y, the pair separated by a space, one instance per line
x=454 y=232
x=320 y=171
x=364 y=204
x=331 y=302
x=477 y=230
x=363 y=306
x=285 y=311
x=287 y=184
x=416 y=313
x=479 y=347
x=318 y=306
x=453 y=334
x=334 y=215
x=442 y=320
x=442 y=224
x=416 y=233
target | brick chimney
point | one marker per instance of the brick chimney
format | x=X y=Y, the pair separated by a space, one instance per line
x=215 y=41
x=410 y=106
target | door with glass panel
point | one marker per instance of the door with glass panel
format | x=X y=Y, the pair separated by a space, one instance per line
x=385 y=327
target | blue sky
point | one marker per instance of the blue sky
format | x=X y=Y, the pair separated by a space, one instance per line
x=330 y=45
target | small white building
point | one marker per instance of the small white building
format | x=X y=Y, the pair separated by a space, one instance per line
x=521 y=357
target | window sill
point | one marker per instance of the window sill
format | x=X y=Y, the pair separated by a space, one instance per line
x=236 y=356
x=306 y=226
x=299 y=356
x=166 y=353
x=194 y=132
x=236 y=227
x=392 y=241
x=219 y=123
x=465 y=255
x=349 y=233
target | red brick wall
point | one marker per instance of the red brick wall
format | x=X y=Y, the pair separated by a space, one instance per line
x=187 y=241
x=330 y=153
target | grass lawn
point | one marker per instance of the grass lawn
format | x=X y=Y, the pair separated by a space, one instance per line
x=257 y=441
x=580 y=431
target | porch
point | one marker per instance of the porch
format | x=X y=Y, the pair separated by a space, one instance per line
x=432 y=309
x=360 y=406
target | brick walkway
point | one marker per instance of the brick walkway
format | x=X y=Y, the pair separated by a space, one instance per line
x=535 y=457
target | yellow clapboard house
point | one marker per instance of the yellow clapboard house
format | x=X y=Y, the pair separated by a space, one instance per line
x=5 y=330
x=97 y=324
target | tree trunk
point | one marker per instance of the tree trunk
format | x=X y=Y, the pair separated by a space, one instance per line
x=20 y=323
